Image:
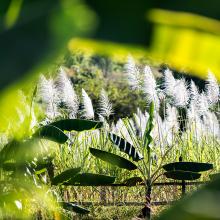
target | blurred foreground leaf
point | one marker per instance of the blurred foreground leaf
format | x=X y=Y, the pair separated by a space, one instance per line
x=34 y=30
x=201 y=205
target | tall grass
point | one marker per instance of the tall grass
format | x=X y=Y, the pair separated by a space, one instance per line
x=185 y=124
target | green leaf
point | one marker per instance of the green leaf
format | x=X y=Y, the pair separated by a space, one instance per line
x=20 y=151
x=113 y=159
x=202 y=204
x=40 y=171
x=214 y=176
x=126 y=147
x=43 y=163
x=12 y=166
x=51 y=133
x=182 y=175
x=133 y=181
x=149 y=127
x=74 y=208
x=77 y=124
x=90 y=179
x=65 y=176
x=188 y=166
x=9 y=151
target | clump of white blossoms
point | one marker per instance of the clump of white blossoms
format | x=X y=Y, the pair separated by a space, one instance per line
x=177 y=94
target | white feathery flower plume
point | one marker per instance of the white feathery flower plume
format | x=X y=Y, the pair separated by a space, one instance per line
x=132 y=73
x=212 y=89
x=140 y=120
x=181 y=95
x=194 y=92
x=171 y=125
x=169 y=82
x=150 y=86
x=211 y=124
x=47 y=93
x=87 y=111
x=67 y=93
x=177 y=89
x=158 y=133
x=194 y=122
x=202 y=103
x=105 y=106
x=192 y=112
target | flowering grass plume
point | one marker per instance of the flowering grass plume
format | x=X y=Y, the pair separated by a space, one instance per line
x=181 y=94
x=169 y=83
x=132 y=74
x=105 y=106
x=87 y=111
x=150 y=87
x=47 y=94
x=67 y=93
x=212 y=89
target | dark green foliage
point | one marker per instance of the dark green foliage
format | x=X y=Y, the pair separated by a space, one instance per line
x=188 y=166
x=65 y=176
x=45 y=34
x=125 y=146
x=133 y=181
x=51 y=133
x=77 y=124
x=214 y=176
x=74 y=208
x=113 y=159
x=12 y=166
x=43 y=164
x=90 y=179
x=182 y=175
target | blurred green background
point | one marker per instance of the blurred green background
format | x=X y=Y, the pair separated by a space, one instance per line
x=33 y=30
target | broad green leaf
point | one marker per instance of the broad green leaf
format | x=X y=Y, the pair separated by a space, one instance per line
x=188 y=166
x=133 y=181
x=51 y=133
x=77 y=124
x=65 y=176
x=74 y=208
x=182 y=175
x=126 y=147
x=203 y=204
x=90 y=179
x=113 y=159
